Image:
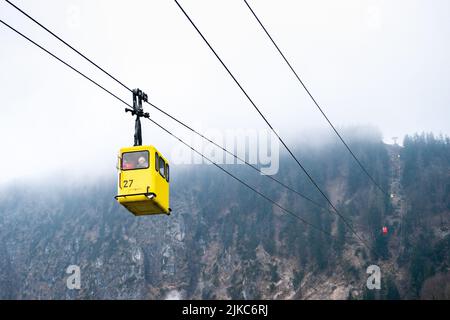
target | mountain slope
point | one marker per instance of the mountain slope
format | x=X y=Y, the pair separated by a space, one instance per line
x=223 y=241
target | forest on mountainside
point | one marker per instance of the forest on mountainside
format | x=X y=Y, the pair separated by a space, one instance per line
x=223 y=241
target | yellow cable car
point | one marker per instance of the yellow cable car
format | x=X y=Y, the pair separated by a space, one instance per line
x=143 y=186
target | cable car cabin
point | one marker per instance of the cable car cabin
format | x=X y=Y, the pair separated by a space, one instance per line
x=143 y=181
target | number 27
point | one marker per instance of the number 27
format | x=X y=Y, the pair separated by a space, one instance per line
x=127 y=183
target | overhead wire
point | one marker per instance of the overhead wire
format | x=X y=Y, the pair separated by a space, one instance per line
x=167 y=131
x=347 y=146
x=241 y=159
x=164 y=112
x=115 y=96
x=363 y=168
x=66 y=43
x=241 y=181
x=335 y=210
x=63 y=62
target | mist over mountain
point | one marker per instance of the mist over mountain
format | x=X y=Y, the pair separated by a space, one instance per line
x=223 y=241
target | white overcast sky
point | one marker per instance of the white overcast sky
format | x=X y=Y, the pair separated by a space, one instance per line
x=367 y=62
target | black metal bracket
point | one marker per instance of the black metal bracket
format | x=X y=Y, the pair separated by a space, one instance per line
x=138 y=97
x=147 y=194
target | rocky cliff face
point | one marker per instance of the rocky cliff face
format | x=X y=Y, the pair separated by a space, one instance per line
x=222 y=241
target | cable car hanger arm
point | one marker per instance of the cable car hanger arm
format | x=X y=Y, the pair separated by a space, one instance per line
x=138 y=111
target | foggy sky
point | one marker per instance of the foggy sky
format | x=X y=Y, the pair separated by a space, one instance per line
x=378 y=63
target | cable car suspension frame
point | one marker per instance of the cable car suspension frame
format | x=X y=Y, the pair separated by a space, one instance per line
x=138 y=97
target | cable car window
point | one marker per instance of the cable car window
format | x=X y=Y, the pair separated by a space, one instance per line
x=167 y=172
x=161 y=166
x=135 y=160
x=156 y=161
